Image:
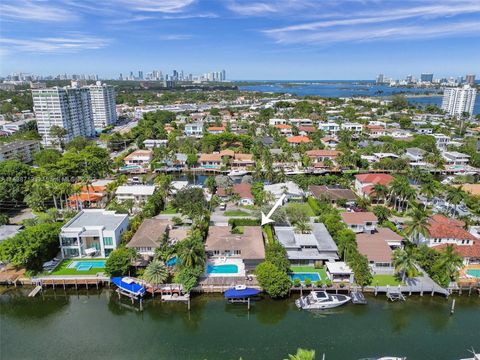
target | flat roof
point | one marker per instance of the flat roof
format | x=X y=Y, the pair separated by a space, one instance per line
x=96 y=217
x=135 y=190
x=338 y=267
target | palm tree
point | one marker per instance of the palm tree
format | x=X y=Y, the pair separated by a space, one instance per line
x=156 y=272
x=418 y=225
x=303 y=227
x=450 y=261
x=302 y=354
x=429 y=189
x=191 y=252
x=404 y=262
x=380 y=191
x=455 y=195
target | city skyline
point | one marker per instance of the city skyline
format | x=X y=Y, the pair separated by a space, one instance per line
x=290 y=40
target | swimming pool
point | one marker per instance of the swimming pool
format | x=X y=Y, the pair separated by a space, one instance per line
x=85 y=265
x=172 y=261
x=473 y=272
x=304 y=276
x=222 y=269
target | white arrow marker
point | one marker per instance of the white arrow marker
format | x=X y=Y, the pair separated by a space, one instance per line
x=266 y=219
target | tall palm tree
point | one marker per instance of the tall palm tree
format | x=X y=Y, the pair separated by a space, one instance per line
x=404 y=262
x=191 y=253
x=455 y=195
x=156 y=272
x=302 y=354
x=380 y=191
x=429 y=189
x=418 y=225
x=450 y=261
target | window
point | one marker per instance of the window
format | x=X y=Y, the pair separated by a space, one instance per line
x=237 y=252
x=107 y=241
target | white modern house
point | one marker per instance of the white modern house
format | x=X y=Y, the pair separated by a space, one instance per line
x=94 y=232
x=138 y=193
x=455 y=158
x=291 y=190
x=330 y=128
x=194 y=129
x=354 y=127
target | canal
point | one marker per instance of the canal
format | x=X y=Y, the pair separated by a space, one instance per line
x=95 y=324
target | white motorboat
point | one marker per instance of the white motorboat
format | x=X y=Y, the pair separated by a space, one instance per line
x=237 y=173
x=321 y=300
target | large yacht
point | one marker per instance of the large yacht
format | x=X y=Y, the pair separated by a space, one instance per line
x=321 y=300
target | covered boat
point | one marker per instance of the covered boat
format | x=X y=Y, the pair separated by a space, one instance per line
x=240 y=292
x=129 y=285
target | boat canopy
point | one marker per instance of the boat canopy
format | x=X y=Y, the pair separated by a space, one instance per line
x=129 y=286
x=239 y=294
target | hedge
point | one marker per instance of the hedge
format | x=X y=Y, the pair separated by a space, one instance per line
x=243 y=222
x=314 y=205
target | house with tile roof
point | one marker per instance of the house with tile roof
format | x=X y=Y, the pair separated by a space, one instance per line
x=244 y=191
x=364 y=183
x=296 y=140
x=360 y=222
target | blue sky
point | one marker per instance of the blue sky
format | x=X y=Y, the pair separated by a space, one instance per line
x=269 y=39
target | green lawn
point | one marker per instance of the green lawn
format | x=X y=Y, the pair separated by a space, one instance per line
x=236 y=213
x=305 y=206
x=384 y=280
x=310 y=269
x=169 y=210
x=62 y=269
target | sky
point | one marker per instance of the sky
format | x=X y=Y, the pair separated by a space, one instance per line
x=268 y=39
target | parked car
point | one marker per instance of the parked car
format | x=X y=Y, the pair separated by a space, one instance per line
x=223 y=206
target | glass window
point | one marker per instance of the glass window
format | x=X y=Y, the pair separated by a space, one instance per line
x=107 y=241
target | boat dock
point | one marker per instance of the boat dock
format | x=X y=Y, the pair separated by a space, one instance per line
x=395 y=295
x=358 y=298
x=35 y=291
x=64 y=281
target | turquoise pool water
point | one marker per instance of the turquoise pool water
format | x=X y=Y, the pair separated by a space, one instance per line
x=172 y=261
x=222 y=269
x=474 y=272
x=304 y=276
x=85 y=265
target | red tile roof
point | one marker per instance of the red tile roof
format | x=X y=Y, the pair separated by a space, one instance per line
x=382 y=179
x=244 y=190
x=298 y=139
x=358 y=218
x=466 y=251
x=374 y=248
x=308 y=129
x=323 y=153
x=442 y=227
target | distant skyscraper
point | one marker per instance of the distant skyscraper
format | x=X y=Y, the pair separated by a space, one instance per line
x=409 y=79
x=103 y=105
x=68 y=108
x=380 y=79
x=426 y=77
x=224 y=75
x=140 y=74
x=470 y=79
x=120 y=77
x=456 y=101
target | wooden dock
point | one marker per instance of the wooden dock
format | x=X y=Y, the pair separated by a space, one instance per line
x=35 y=291
x=76 y=281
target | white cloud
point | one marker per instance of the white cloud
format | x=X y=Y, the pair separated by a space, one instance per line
x=266 y=8
x=34 y=11
x=175 y=37
x=162 y=6
x=73 y=42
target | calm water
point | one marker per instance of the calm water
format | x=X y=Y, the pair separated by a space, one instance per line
x=96 y=325
x=348 y=89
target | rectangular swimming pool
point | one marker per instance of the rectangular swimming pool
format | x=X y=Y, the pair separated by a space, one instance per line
x=474 y=273
x=222 y=269
x=304 y=276
x=85 y=265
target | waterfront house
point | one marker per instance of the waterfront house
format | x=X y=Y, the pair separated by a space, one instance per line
x=92 y=232
x=93 y=196
x=441 y=141
x=149 y=236
x=360 y=222
x=242 y=161
x=307 y=249
x=319 y=156
x=356 y=128
x=455 y=158
x=330 y=142
x=138 y=193
x=306 y=130
x=244 y=191
x=377 y=250
x=375 y=131
x=364 y=182
x=415 y=155
x=332 y=193
x=338 y=272
x=276 y=121
x=210 y=161
x=194 y=129
x=248 y=247
x=141 y=158
x=301 y=122
x=444 y=231
x=289 y=188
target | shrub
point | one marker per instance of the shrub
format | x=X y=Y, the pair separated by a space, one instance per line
x=342 y=285
x=119 y=262
x=318 y=283
x=308 y=282
x=328 y=282
x=296 y=282
x=314 y=205
x=318 y=265
x=243 y=222
x=276 y=254
x=276 y=283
